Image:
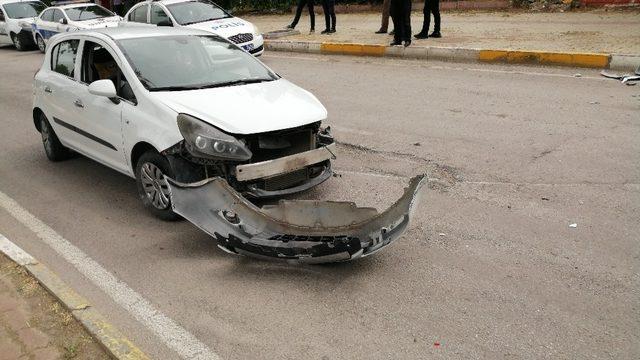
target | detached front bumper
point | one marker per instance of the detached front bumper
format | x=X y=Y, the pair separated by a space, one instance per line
x=304 y=230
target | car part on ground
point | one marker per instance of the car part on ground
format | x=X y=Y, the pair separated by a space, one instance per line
x=627 y=79
x=301 y=231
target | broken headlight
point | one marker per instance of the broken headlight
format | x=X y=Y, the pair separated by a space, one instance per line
x=204 y=140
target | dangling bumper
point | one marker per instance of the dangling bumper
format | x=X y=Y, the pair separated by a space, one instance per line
x=304 y=230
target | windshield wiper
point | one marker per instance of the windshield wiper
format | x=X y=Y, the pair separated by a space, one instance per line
x=175 y=88
x=238 y=82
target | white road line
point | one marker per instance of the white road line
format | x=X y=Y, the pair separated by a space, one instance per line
x=171 y=334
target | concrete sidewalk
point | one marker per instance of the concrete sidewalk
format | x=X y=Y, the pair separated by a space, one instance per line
x=596 y=31
x=33 y=325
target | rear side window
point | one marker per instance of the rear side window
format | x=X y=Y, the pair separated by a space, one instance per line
x=47 y=15
x=139 y=14
x=159 y=16
x=57 y=15
x=63 y=57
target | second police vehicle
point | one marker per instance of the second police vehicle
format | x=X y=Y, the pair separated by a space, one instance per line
x=201 y=15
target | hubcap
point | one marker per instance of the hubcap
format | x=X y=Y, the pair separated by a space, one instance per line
x=40 y=43
x=155 y=186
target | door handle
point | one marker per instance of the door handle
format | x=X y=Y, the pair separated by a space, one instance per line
x=47 y=90
x=78 y=103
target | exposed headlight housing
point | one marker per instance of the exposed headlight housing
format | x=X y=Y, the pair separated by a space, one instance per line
x=204 y=140
x=256 y=31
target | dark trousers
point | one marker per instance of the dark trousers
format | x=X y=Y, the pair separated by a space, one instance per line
x=312 y=15
x=386 y=8
x=401 y=16
x=328 y=7
x=431 y=7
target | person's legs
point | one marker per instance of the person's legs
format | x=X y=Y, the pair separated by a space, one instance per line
x=332 y=9
x=396 y=15
x=327 y=16
x=384 y=26
x=406 y=13
x=435 y=9
x=312 y=14
x=298 y=14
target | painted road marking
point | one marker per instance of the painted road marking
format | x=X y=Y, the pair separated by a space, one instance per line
x=173 y=335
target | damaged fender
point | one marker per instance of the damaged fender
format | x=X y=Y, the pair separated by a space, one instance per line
x=301 y=230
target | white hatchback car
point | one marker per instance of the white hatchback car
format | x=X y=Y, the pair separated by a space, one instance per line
x=199 y=14
x=184 y=103
x=71 y=17
x=16 y=19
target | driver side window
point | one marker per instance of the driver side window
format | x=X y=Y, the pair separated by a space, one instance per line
x=47 y=15
x=57 y=16
x=99 y=64
x=139 y=14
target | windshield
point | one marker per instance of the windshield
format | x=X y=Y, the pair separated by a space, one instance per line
x=87 y=13
x=192 y=12
x=188 y=62
x=21 y=10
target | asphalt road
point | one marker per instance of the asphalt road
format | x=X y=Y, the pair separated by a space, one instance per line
x=490 y=268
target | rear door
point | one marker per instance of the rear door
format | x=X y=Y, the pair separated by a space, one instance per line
x=57 y=23
x=59 y=86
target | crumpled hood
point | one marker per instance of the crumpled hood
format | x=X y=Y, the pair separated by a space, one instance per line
x=111 y=21
x=248 y=109
x=225 y=27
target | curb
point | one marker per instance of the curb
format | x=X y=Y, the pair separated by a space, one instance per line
x=585 y=60
x=99 y=328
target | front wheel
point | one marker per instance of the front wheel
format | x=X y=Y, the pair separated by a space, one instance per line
x=153 y=187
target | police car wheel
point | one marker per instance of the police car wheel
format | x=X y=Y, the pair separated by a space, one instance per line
x=53 y=148
x=40 y=43
x=18 y=42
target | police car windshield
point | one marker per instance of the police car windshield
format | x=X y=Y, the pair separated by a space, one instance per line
x=190 y=62
x=87 y=13
x=23 y=10
x=197 y=11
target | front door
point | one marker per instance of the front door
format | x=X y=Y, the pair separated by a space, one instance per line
x=98 y=116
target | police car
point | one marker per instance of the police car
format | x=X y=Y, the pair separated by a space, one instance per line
x=16 y=18
x=202 y=15
x=71 y=16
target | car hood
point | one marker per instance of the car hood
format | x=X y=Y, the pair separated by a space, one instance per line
x=248 y=109
x=225 y=27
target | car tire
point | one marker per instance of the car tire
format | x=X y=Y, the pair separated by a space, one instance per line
x=53 y=148
x=153 y=189
x=41 y=45
x=18 y=42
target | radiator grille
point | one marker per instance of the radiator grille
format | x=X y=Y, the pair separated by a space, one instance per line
x=241 y=38
x=285 y=181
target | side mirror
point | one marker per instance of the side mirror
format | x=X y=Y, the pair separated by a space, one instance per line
x=103 y=88
x=63 y=21
x=165 y=23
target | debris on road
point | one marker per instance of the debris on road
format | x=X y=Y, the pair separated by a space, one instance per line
x=627 y=79
x=573 y=226
x=304 y=230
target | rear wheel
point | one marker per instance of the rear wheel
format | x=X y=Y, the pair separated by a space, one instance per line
x=18 y=42
x=40 y=43
x=52 y=146
x=153 y=188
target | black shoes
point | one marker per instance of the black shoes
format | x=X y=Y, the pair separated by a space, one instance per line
x=407 y=43
x=436 y=34
x=290 y=27
x=381 y=31
x=332 y=30
x=421 y=35
x=325 y=31
x=395 y=43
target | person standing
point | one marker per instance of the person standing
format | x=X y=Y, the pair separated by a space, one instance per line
x=384 y=26
x=401 y=16
x=312 y=15
x=430 y=7
x=117 y=7
x=328 y=7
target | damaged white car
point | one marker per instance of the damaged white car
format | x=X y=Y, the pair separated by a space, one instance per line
x=202 y=126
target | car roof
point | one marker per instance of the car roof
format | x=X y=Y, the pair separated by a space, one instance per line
x=167 y=2
x=139 y=31
x=69 y=6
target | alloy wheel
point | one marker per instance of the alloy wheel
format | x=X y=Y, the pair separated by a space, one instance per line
x=41 y=44
x=155 y=186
